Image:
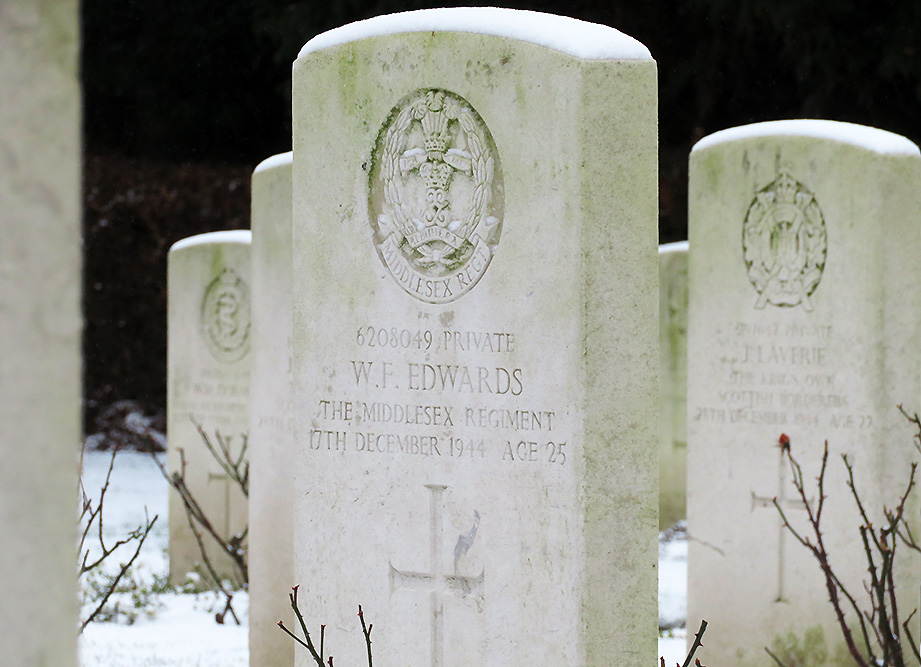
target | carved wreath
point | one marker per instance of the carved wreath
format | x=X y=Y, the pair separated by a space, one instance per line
x=784 y=243
x=482 y=164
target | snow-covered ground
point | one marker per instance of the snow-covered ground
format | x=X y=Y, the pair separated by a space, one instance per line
x=165 y=628
x=160 y=629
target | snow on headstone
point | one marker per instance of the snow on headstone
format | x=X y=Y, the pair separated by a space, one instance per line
x=271 y=433
x=40 y=329
x=208 y=369
x=804 y=322
x=673 y=381
x=475 y=296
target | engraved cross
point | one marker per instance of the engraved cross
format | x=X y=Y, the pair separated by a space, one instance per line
x=436 y=581
x=785 y=504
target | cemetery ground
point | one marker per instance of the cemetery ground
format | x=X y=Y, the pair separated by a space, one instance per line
x=158 y=626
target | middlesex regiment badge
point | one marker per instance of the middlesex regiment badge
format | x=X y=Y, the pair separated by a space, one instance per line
x=436 y=197
x=784 y=243
x=225 y=317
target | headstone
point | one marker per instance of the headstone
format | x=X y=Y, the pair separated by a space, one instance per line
x=673 y=382
x=804 y=322
x=208 y=368
x=40 y=329
x=271 y=432
x=475 y=315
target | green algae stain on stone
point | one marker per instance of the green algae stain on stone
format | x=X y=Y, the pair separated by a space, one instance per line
x=810 y=650
x=711 y=166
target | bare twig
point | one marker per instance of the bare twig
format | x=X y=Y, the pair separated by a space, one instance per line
x=879 y=622
x=911 y=640
x=366 y=631
x=236 y=468
x=914 y=419
x=773 y=657
x=113 y=584
x=687 y=661
x=94 y=515
x=697 y=643
x=307 y=642
x=199 y=523
x=814 y=516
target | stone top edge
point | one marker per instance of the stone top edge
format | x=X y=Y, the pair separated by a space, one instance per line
x=280 y=160
x=243 y=236
x=589 y=41
x=863 y=136
x=677 y=246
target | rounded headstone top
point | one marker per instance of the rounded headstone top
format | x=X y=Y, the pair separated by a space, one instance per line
x=243 y=236
x=589 y=41
x=677 y=246
x=280 y=160
x=863 y=136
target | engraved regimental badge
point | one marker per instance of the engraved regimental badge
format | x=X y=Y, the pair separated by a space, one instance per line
x=225 y=317
x=784 y=243
x=436 y=197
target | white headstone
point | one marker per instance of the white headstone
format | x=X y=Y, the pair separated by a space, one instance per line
x=804 y=321
x=40 y=329
x=208 y=367
x=475 y=339
x=271 y=432
x=673 y=382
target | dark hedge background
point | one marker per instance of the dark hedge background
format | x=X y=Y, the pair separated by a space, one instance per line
x=182 y=98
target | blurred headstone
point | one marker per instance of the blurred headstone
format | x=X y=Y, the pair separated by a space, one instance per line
x=673 y=382
x=208 y=372
x=271 y=432
x=40 y=268
x=804 y=327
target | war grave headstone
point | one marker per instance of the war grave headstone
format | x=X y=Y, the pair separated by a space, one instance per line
x=271 y=432
x=40 y=329
x=673 y=382
x=804 y=322
x=474 y=339
x=208 y=373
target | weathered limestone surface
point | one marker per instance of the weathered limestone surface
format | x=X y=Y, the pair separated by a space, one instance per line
x=271 y=432
x=208 y=369
x=804 y=321
x=475 y=281
x=673 y=382
x=40 y=329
